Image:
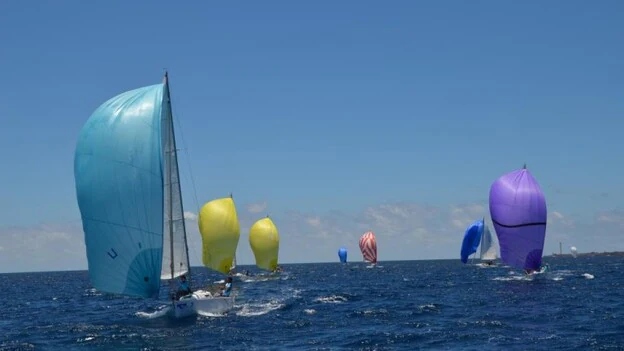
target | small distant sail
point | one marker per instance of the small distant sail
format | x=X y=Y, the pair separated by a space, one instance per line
x=573 y=251
x=264 y=242
x=119 y=186
x=342 y=254
x=220 y=231
x=368 y=246
x=518 y=210
x=488 y=248
x=472 y=238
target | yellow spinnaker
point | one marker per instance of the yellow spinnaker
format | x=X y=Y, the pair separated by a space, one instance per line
x=219 y=228
x=264 y=242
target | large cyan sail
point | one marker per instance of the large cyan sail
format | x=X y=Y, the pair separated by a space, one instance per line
x=342 y=254
x=518 y=210
x=175 y=251
x=368 y=247
x=220 y=231
x=488 y=247
x=264 y=242
x=472 y=238
x=119 y=186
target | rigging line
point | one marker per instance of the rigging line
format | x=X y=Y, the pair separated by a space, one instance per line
x=188 y=162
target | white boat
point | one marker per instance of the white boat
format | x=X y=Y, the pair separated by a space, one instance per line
x=130 y=200
x=202 y=302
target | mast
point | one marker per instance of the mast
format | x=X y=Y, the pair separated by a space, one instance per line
x=174 y=156
x=560 y=250
x=481 y=241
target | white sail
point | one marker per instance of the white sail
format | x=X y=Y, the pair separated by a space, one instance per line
x=573 y=251
x=488 y=249
x=233 y=263
x=175 y=250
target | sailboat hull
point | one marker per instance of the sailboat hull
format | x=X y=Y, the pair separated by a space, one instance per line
x=201 y=302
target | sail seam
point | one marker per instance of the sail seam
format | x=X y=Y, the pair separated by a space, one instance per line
x=518 y=225
x=122 y=225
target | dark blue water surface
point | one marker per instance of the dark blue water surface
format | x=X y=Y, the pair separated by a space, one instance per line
x=401 y=305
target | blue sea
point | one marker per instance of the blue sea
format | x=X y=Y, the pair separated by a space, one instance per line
x=399 y=305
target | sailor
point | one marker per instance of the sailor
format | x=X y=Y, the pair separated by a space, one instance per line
x=227 y=288
x=183 y=288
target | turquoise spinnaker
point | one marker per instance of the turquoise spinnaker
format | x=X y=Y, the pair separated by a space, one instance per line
x=118 y=169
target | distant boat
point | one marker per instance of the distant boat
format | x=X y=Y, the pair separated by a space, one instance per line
x=342 y=254
x=368 y=247
x=573 y=251
x=518 y=210
x=472 y=239
x=129 y=196
x=264 y=242
x=478 y=234
x=220 y=231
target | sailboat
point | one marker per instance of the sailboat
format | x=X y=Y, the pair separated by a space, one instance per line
x=342 y=255
x=518 y=210
x=573 y=251
x=472 y=239
x=264 y=242
x=129 y=195
x=368 y=247
x=478 y=234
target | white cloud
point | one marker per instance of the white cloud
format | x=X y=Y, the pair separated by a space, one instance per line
x=42 y=247
x=257 y=208
x=314 y=221
x=404 y=230
x=190 y=216
x=614 y=216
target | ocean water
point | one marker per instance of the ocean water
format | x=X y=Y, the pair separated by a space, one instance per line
x=400 y=305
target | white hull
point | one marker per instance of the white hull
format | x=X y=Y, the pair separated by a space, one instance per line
x=202 y=302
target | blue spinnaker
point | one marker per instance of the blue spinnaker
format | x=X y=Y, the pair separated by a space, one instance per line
x=119 y=185
x=472 y=238
x=342 y=254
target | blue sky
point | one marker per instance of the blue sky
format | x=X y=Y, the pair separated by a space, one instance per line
x=331 y=116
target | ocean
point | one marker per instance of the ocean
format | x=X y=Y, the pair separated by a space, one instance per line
x=398 y=305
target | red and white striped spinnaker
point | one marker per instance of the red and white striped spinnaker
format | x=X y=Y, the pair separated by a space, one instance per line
x=368 y=246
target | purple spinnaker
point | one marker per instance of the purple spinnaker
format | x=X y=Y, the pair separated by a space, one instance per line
x=518 y=211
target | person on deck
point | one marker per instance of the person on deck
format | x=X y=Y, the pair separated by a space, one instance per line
x=227 y=288
x=183 y=288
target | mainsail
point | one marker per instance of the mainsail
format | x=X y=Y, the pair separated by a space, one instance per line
x=175 y=248
x=264 y=242
x=488 y=248
x=129 y=203
x=220 y=231
x=342 y=254
x=368 y=246
x=472 y=238
x=518 y=210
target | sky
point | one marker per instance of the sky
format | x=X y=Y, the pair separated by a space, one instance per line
x=333 y=117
